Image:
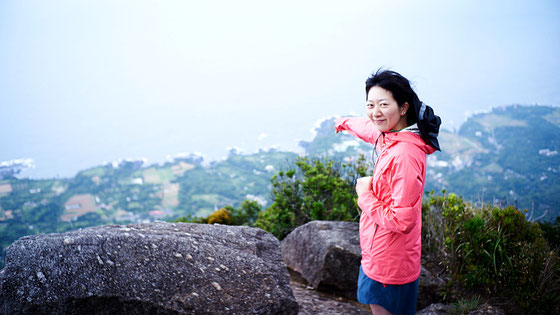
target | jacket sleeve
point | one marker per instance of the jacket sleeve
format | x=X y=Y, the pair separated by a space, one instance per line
x=360 y=127
x=400 y=213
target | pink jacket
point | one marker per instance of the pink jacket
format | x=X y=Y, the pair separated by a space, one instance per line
x=391 y=219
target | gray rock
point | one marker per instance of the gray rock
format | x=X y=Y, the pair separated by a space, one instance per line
x=487 y=309
x=426 y=279
x=315 y=302
x=155 y=268
x=439 y=308
x=435 y=309
x=326 y=254
x=429 y=287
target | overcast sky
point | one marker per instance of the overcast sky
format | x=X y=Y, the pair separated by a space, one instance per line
x=84 y=82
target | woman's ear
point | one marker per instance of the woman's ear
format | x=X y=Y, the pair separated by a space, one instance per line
x=404 y=108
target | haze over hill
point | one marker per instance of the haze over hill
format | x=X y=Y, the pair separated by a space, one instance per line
x=87 y=82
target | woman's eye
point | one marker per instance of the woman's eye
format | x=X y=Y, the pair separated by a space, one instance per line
x=384 y=104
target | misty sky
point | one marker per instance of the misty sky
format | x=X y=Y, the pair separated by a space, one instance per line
x=87 y=82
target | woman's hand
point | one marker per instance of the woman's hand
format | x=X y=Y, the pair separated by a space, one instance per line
x=363 y=184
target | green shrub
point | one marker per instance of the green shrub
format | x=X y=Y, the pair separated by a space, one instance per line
x=493 y=251
x=315 y=190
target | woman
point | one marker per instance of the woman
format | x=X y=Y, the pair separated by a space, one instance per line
x=403 y=131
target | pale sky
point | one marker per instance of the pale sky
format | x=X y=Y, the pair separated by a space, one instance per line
x=87 y=82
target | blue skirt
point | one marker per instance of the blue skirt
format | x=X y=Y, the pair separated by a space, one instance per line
x=395 y=298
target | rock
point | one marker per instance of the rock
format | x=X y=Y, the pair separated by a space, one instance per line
x=159 y=268
x=439 y=308
x=326 y=254
x=429 y=286
x=435 y=309
x=487 y=309
x=314 y=302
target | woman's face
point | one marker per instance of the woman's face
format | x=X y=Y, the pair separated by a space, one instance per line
x=384 y=111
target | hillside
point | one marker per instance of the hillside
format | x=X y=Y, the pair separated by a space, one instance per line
x=508 y=156
x=133 y=193
x=518 y=159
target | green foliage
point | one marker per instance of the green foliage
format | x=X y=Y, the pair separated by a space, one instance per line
x=492 y=250
x=315 y=190
x=246 y=214
x=465 y=306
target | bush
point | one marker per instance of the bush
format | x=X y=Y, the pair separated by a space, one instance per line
x=220 y=216
x=493 y=251
x=315 y=190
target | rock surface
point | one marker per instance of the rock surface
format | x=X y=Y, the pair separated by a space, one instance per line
x=326 y=254
x=435 y=309
x=154 y=268
x=314 y=302
x=429 y=287
x=487 y=309
x=440 y=308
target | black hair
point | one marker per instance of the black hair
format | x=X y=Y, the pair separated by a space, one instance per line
x=418 y=112
x=400 y=87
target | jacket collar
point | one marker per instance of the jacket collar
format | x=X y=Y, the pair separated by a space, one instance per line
x=410 y=134
x=412 y=128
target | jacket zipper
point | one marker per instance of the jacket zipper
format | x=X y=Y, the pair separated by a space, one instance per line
x=373 y=236
x=374 y=168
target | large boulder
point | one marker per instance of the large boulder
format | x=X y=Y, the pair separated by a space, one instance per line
x=155 y=268
x=326 y=254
